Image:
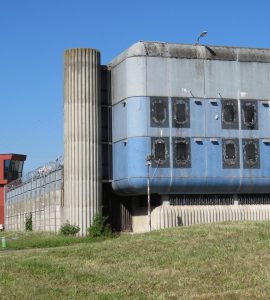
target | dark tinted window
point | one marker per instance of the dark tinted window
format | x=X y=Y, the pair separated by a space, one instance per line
x=12 y=169
x=249 y=114
x=159 y=151
x=230 y=153
x=159 y=112
x=229 y=114
x=180 y=112
x=251 y=153
x=6 y=168
x=182 y=152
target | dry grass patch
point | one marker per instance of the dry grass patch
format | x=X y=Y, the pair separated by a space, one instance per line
x=221 y=261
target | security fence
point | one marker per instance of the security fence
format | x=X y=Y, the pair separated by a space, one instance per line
x=37 y=196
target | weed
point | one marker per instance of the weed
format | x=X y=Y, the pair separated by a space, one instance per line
x=28 y=222
x=99 y=228
x=68 y=229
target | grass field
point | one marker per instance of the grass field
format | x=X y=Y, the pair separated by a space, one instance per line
x=222 y=261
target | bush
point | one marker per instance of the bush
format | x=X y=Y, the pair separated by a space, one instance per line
x=28 y=222
x=99 y=228
x=68 y=229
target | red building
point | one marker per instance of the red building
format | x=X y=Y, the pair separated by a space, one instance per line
x=11 y=168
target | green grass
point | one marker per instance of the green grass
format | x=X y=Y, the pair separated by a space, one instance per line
x=28 y=239
x=221 y=261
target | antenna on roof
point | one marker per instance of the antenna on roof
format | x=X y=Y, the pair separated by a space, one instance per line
x=202 y=34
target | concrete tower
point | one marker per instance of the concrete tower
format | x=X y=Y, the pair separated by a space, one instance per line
x=82 y=142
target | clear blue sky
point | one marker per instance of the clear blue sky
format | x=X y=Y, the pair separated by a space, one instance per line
x=35 y=33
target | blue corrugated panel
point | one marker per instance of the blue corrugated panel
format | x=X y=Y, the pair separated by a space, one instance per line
x=207 y=134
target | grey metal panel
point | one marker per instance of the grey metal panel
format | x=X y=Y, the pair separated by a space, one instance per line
x=161 y=49
x=221 y=79
x=129 y=79
x=138 y=111
x=264 y=118
x=137 y=49
x=169 y=77
x=255 y=80
x=181 y=77
x=119 y=121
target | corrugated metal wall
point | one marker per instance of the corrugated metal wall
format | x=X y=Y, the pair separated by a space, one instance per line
x=167 y=216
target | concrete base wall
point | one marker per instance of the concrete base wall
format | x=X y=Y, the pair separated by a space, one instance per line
x=47 y=213
x=167 y=216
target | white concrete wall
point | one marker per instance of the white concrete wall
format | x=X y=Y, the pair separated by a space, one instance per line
x=168 y=216
x=82 y=136
x=41 y=196
x=47 y=212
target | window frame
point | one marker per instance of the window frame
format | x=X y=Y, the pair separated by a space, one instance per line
x=156 y=123
x=229 y=163
x=244 y=125
x=248 y=164
x=224 y=123
x=161 y=163
x=181 y=163
x=175 y=122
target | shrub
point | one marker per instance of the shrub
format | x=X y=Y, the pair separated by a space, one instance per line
x=68 y=229
x=99 y=228
x=28 y=222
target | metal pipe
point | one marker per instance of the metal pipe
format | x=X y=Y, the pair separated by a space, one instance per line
x=148 y=196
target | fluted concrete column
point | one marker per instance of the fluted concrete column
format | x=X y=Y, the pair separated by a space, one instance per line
x=82 y=141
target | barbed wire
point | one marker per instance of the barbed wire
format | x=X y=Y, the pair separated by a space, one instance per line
x=39 y=172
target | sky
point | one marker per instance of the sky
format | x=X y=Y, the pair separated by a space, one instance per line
x=35 y=33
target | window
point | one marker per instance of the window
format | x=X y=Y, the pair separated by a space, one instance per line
x=159 y=112
x=251 y=153
x=229 y=114
x=180 y=112
x=182 y=155
x=230 y=153
x=12 y=169
x=6 y=169
x=160 y=152
x=249 y=114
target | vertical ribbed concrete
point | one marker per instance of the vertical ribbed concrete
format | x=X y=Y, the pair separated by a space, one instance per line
x=82 y=142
